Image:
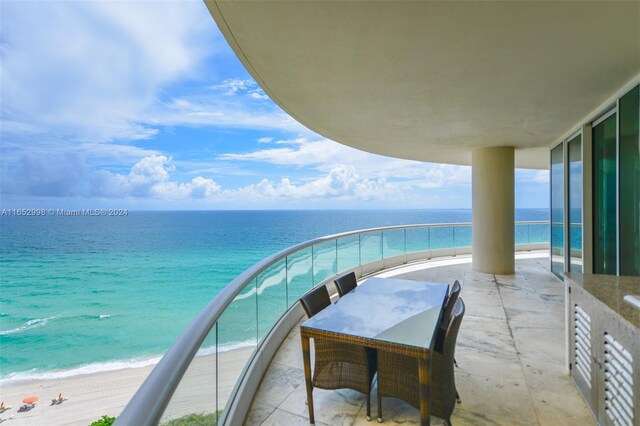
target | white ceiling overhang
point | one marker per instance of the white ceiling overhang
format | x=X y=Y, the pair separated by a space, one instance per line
x=434 y=80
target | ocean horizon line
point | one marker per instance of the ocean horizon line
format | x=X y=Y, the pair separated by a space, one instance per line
x=255 y=209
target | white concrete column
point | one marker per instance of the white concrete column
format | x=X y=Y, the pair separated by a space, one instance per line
x=493 y=210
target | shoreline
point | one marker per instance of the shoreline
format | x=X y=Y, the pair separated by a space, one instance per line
x=92 y=395
x=105 y=367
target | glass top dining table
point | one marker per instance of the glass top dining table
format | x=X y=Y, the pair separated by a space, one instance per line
x=390 y=314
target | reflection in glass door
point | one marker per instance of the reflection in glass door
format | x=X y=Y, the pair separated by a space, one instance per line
x=557 y=210
x=629 y=179
x=605 y=257
x=575 y=203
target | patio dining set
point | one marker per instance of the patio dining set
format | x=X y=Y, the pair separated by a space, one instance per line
x=399 y=333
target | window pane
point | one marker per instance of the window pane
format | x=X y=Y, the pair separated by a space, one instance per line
x=557 y=210
x=630 y=183
x=575 y=203
x=604 y=197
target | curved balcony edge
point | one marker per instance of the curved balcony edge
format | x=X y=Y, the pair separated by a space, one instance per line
x=148 y=404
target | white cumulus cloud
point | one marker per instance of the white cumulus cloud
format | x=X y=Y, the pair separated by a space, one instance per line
x=92 y=70
x=151 y=178
x=340 y=183
x=69 y=176
x=326 y=155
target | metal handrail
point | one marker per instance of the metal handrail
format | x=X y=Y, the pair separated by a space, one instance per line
x=150 y=400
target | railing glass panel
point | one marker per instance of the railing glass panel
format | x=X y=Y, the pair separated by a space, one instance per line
x=196 y=398
x=462 y=236
x=394 y=243
x=238 y=333
x=324 y=261
x=532 y=233
x=272 y=296
x=370 y=247
x=441 y=237
x=522 y=234
x=299 y=275
x=348 y=253
x=238 y=324
x=418 y=240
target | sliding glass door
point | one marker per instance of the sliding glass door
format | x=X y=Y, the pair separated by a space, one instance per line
x=605 y=212
x=575 y=203
x=557 y=210
x=629 y=178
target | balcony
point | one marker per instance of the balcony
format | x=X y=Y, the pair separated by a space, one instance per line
x=511 y=348
x=510 y=352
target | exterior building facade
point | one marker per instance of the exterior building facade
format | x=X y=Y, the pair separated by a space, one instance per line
x=595 y=192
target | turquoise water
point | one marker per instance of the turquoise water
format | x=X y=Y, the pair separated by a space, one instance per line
x=83 y=294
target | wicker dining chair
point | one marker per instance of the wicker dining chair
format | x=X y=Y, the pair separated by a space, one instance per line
x=398 y=374
x=339 y=365
x=446 y=315
x=346 y=283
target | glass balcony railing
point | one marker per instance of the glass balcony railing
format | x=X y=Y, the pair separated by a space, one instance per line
x=199 y=378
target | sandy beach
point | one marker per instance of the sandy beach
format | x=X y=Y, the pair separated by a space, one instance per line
x=90 y=396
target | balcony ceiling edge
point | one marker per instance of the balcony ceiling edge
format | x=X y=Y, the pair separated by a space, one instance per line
x=432 y=81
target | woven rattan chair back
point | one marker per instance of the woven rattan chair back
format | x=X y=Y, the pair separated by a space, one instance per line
x=398 y=374
x=346 y=283
x=339 y=365
x=315 y=301
x=446 y=315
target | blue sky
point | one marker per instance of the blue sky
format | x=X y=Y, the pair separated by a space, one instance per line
x=143 y=105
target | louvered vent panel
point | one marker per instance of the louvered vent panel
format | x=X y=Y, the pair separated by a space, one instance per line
x=583 y=344
x=618 y=381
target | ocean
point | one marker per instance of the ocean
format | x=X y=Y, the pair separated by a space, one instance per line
x=83 y=294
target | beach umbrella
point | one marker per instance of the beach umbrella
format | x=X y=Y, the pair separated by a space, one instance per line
x=30 y=399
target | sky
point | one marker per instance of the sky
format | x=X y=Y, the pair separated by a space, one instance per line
x=143 y=105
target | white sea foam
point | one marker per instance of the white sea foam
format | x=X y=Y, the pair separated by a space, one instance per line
x=41 y=322
x=34 y=323
x=106 y=366
x=234 y=346
x=211 y=350
x=83 y=369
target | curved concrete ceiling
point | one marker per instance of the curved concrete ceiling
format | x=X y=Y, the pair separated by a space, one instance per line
x=433 y=80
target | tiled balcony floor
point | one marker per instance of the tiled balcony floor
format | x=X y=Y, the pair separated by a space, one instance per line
x=510 y=351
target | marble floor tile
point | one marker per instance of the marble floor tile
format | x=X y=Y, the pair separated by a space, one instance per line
x=497 y=398
x=558 y=408
x=484 y=309
x=497 y=345
x=488 y=366
x=258 y=414
x=284 y=418
x=510 y=352
x=278 y=383
x=525 y=317
x=481 y=324
x=395 y=412
x=541 y=350
x=334 y=407
x=290 y=352
x=464 y=417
